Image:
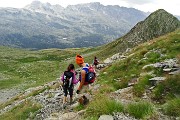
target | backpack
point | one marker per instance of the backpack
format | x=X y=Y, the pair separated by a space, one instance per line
x=90 y=76
x=68 y=77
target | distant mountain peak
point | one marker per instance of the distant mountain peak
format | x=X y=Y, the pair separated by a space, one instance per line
x=92 y=5
x=35 y=2
x=45 y=8
x=35 y=5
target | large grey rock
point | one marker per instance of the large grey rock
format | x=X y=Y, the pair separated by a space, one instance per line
x=70 y=116
x=106 y=117
x=175 y=72
x=121 y=116
x=157 y=79
x=154 y=81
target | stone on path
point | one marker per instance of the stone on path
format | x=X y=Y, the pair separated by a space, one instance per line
x=70 y=116
x=106 y=117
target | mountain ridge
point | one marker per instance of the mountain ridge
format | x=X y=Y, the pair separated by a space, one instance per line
x=156 y=24
x=44 y=25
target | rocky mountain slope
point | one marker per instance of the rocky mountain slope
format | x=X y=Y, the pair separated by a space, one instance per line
x=156 y=24
x=42 y=25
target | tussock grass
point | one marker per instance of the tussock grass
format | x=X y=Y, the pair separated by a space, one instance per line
x=140 y=110
x=158 y=91
x=168 y=88
x=106 y=89
x=79 y=107
x=172 y=107
x=140 y=88
x=103 y=105
x=173 y=83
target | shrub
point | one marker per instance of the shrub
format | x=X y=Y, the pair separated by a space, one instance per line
x=172 y=107
x=140 y=109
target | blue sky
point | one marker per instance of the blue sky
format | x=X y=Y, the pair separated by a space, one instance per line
x=172 y=6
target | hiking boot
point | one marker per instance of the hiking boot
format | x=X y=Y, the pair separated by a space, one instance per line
x=64 y=106
x=83 y=100
x=71 y=101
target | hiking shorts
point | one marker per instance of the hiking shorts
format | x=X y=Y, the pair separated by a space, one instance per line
x=68 y=90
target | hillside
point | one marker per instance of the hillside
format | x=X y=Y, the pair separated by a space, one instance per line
x=130 y=76
x=157 y=102
x=42 y=25
x=156 y=24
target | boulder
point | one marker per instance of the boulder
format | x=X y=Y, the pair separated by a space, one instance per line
x=70 y=116
x=156 y=80
x=106 y=117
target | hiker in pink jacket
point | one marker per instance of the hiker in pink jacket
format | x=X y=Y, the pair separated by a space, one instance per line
x=69 y=79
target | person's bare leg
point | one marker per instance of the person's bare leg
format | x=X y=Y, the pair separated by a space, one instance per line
x=64 y=99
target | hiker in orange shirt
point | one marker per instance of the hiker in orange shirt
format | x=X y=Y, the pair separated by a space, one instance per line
x=83 y=88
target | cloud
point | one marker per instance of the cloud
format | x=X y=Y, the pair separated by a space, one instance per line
x=138 y=2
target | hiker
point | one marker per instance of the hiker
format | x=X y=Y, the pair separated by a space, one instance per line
x=82 y=88
x=95 y=62
x=69 y=79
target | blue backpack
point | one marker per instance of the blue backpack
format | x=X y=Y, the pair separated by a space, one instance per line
x=90 y=75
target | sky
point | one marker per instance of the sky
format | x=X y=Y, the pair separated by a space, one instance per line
x=171 y=6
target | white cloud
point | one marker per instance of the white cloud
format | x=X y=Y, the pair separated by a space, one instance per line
x=138 y=2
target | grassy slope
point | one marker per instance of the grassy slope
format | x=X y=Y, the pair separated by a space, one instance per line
x=168 y=45
x=127 y=69
x=23 y=68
